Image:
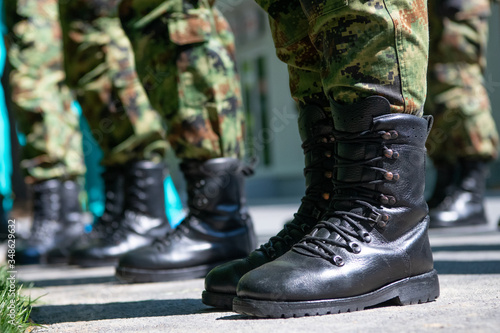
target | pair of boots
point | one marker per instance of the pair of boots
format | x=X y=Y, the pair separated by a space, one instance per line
x=369 y=245
x=217 y=229
x=134 y=232
x=56 y=222
x=458 y=197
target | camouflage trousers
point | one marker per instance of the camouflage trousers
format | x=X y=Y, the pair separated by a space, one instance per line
x=349 y=50
x=41 y=101
x=100 y=67
x=185 y=59
x=458 y=99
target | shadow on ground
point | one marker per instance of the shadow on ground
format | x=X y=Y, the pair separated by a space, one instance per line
x=52 y=314
x=467 y=266
x=71 y=281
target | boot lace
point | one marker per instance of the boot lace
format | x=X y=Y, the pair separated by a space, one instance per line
x=316 y=192
x=361 y=198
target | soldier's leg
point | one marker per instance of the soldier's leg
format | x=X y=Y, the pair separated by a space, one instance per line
x=315 y=125
x=191 y=77
x=464 y=137
x=373 y=70
x=101 y=69
x=52 y=157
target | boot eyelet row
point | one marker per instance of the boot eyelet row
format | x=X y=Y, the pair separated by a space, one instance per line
x=391 y=176
x=386 y=199
x=390 y=135
x=389 y=153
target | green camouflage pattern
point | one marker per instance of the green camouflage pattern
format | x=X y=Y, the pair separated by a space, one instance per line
x=458 y=100
x=358 y=48
x=185 y=58
x=100 y=67
x=41 y=101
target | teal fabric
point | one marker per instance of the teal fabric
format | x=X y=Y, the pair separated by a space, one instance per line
x=5 y=147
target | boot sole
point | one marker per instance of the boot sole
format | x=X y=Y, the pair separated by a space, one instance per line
x=414 y=290
x=218 y=300
x=136 y=275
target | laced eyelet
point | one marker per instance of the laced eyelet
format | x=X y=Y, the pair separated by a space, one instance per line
x=355 y=247
x=328 y=154
x=389 y=175
x=338 y=261
x=388 y=153
x=326 y=196
x=383 y=199
x=391 y=135
x=328 y=174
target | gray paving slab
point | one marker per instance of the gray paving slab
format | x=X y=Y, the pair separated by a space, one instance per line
x=91 y=300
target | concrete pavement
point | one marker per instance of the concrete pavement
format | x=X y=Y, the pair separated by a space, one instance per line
x=90 y=300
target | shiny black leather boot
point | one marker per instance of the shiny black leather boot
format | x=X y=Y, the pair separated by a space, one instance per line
x=142 y=220
x=105 y=226
x=217 y=229
x=463 y=204
x=315 y=127
x=56 y=221
x=372 y=246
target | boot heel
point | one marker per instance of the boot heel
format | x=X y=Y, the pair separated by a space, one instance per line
x=419 y=289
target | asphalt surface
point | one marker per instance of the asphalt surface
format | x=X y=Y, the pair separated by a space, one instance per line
x=91 y=300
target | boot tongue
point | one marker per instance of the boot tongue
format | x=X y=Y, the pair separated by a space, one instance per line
x=358 y=117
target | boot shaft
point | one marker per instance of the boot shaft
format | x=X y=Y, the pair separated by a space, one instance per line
x=473 y=174
x=47 y=201
x=381 y=160
x=71 y=211
x=144 y=189
x=114 y=192
x=216 y=193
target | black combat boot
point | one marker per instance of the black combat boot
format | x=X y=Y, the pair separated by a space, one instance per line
x=142 y=220
x=315 y=127
x=108 y=222
x=463 y=204
x=372 y=246
x=445 y=182
x=4 y=227
x=217 y=229
x=56 y=221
